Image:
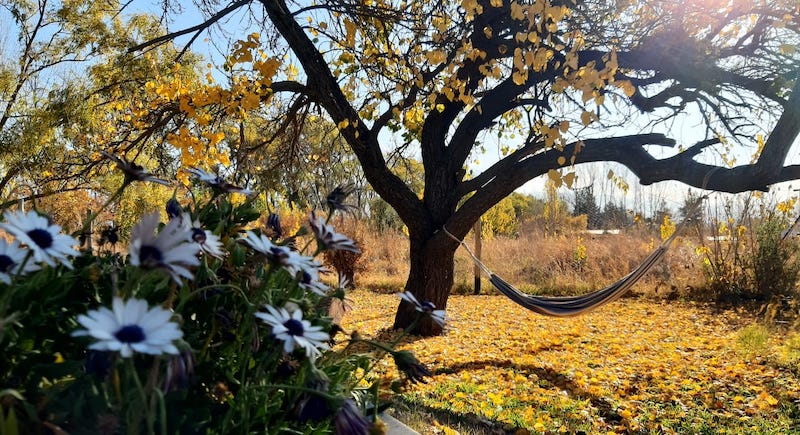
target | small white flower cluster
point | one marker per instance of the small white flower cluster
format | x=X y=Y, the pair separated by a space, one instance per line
x=131 y=327
x=307 y=268
x=36 y=241
x=174 y=248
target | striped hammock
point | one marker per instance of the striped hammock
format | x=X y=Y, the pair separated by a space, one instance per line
x=568 y=306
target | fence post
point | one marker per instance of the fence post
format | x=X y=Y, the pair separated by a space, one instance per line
x=476 y=269
x=89 y=230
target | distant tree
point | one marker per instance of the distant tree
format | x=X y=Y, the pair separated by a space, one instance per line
x=615 y=216
x=500 y=220
x=690 y=209
x=586 y=204
x=525 y=206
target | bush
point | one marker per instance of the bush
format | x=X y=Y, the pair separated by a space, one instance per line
x=774 y=263
x=206 y=326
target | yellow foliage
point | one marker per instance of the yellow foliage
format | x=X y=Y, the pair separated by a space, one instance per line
x=667 y=228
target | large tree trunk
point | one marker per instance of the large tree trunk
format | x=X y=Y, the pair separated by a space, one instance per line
x=430 y=279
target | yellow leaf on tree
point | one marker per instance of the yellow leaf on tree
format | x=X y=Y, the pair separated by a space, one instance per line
x=350 y=30
x=569 y=179
x=562 y=160
x=250 y=101
x=435 y=57
x=788 y=49
x=626 y=87
x=519 y=77
x=555 y=177
x=571 y=60
x=587 y=117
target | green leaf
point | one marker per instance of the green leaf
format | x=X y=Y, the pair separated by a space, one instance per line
x=8 y=424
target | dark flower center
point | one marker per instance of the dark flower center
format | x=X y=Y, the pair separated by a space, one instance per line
x=198 y=235
x=278 y=255
x=274 y=223
x=173 y=209
x=427 y=307
x=150 y=256
x=306 y=278
x=295 y=327
x=6 y=263
x=130 y=334
x=42 y=238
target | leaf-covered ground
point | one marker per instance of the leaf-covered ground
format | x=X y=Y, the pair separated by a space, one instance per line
x=634 y=366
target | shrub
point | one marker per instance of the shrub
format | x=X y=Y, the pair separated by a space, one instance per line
x=206 y=326
x=723 y=257
x=774 y=262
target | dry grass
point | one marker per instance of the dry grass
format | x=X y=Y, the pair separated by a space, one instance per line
x=538 y=264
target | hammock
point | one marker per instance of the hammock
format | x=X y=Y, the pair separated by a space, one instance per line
x=568 y=306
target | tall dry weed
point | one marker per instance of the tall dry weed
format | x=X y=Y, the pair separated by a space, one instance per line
x=540 y=264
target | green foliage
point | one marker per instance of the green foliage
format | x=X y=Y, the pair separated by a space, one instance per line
x=723 y=254
x=555 y=218
x=505 y=217
x=586 y=204
x=775 y=266
x=747 y=256
x=579 y=255
x=789 y=351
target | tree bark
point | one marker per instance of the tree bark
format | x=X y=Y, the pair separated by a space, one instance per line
x=429 y=279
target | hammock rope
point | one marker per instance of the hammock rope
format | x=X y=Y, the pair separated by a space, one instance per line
x=568 y=306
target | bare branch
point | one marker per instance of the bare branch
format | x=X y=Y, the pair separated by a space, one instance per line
x=198 y=28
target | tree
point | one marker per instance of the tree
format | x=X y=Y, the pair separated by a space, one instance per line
x=586 y=204
x=566 y=74
x=69 y=89
x=615 y=216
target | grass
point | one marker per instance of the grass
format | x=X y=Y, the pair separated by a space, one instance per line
x=522 y=262
x=634 y=366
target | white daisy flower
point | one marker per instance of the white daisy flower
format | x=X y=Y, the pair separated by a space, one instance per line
x=170 y=250
x=42 y=237
x=260 y=243
x=294 y=331
x=426 y=307
x=12 y=257
x=327 y=238
x=130 y=328
x=309 y=280
x=208 y=241
x=282 y=255
x=216 y=182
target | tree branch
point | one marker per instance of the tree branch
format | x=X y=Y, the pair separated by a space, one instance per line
x=198 y=28
x=362 y=140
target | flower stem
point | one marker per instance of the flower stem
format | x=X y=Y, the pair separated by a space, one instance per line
x=143 y=396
